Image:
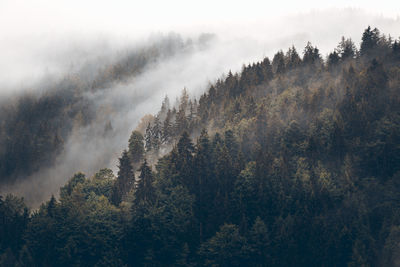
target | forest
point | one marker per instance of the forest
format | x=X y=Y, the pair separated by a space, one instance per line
x=293 y=161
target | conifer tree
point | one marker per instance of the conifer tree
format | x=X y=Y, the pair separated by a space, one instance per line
x=145 y=190
x=156 y=133
x=292 y=58
x=136 y=147
x=167 y=130
x=278 y=63
x=267 y=70
x=148 y=138
x=346 y=49
x=125 y=180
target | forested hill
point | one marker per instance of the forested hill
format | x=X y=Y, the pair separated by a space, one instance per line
x=293 y=162
x=36 y=124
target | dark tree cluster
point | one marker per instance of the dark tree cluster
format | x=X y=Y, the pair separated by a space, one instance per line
x=293 y=163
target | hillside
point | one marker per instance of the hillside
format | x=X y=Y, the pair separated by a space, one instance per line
x=37 y=123
x=293 y=161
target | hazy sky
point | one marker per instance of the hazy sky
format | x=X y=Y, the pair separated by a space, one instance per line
x=35 y=34
x=123 y=16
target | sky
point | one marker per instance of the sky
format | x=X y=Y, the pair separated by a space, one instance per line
x=36 y=35
x=18 y=17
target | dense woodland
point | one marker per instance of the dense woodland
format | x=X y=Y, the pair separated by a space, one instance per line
x=291 y=162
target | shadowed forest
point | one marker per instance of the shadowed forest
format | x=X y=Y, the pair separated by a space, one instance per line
x=294 y=161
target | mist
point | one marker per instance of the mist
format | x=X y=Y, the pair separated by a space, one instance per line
x=33 y=63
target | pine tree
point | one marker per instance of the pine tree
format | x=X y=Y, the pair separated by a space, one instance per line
x=167 y=130
x=311 y=55
x=278 y=63
x=204 y=187
x=156 y=133
x=125 y=180
x=145 y=191
x=165 y=106
x=136 y=147
x=181 y=123
x=292 y=58
x=333 y=60
x=267 y=70
x=148 y=138
x=51 y=206
x=346 y=49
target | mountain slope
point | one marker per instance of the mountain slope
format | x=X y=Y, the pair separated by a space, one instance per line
x=293 y=162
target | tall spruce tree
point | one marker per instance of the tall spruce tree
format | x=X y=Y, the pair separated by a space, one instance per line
x=136 y=147
x=125 y=180
x=145 y=191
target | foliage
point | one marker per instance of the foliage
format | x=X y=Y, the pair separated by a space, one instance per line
x=299 y=166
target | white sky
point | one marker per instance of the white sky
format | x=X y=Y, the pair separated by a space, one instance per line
x=18 y=17
x=35 y=35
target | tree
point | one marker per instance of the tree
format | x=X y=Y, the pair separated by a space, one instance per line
x=292 y=58
x=144 y=189
x=260 y=244
x=278 y=63
x=370 y=41
x=167 y=130
x=67 y=189
x=204 y=187
x=14 y=219
x=226 y=248
x=136 y=147
x=267 y=70
x=333 y=60
x=125 y=180
x=165 y=106
x=346 y=49
x=181 y=123
x=184 y=160
x=156 y=133
x=311 y=55
x=148 y=138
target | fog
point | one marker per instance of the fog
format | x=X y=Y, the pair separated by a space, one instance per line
x=29 y=60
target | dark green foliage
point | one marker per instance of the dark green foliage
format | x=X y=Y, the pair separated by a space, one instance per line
x=144 y=189
x=278 y=63
x=301 y=168
x=14 y=218
x=226 y=248
x=136 y=147
x=125 y=180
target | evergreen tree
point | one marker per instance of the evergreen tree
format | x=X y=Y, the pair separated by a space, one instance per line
x=136 y=147
x=167 y=130
x=370 y=41
x=346 y=49
x=292 y=58
x=278 y=63
x=311 y=55
x=156 y=133
x=267 y=70
x=204 y=184
x=145 y=190
x=226 y=248
x=148 y=138
x=333 y=60
x=125 y=180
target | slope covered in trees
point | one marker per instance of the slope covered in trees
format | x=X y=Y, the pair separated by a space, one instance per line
x=293 y=162
x=35 y=125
